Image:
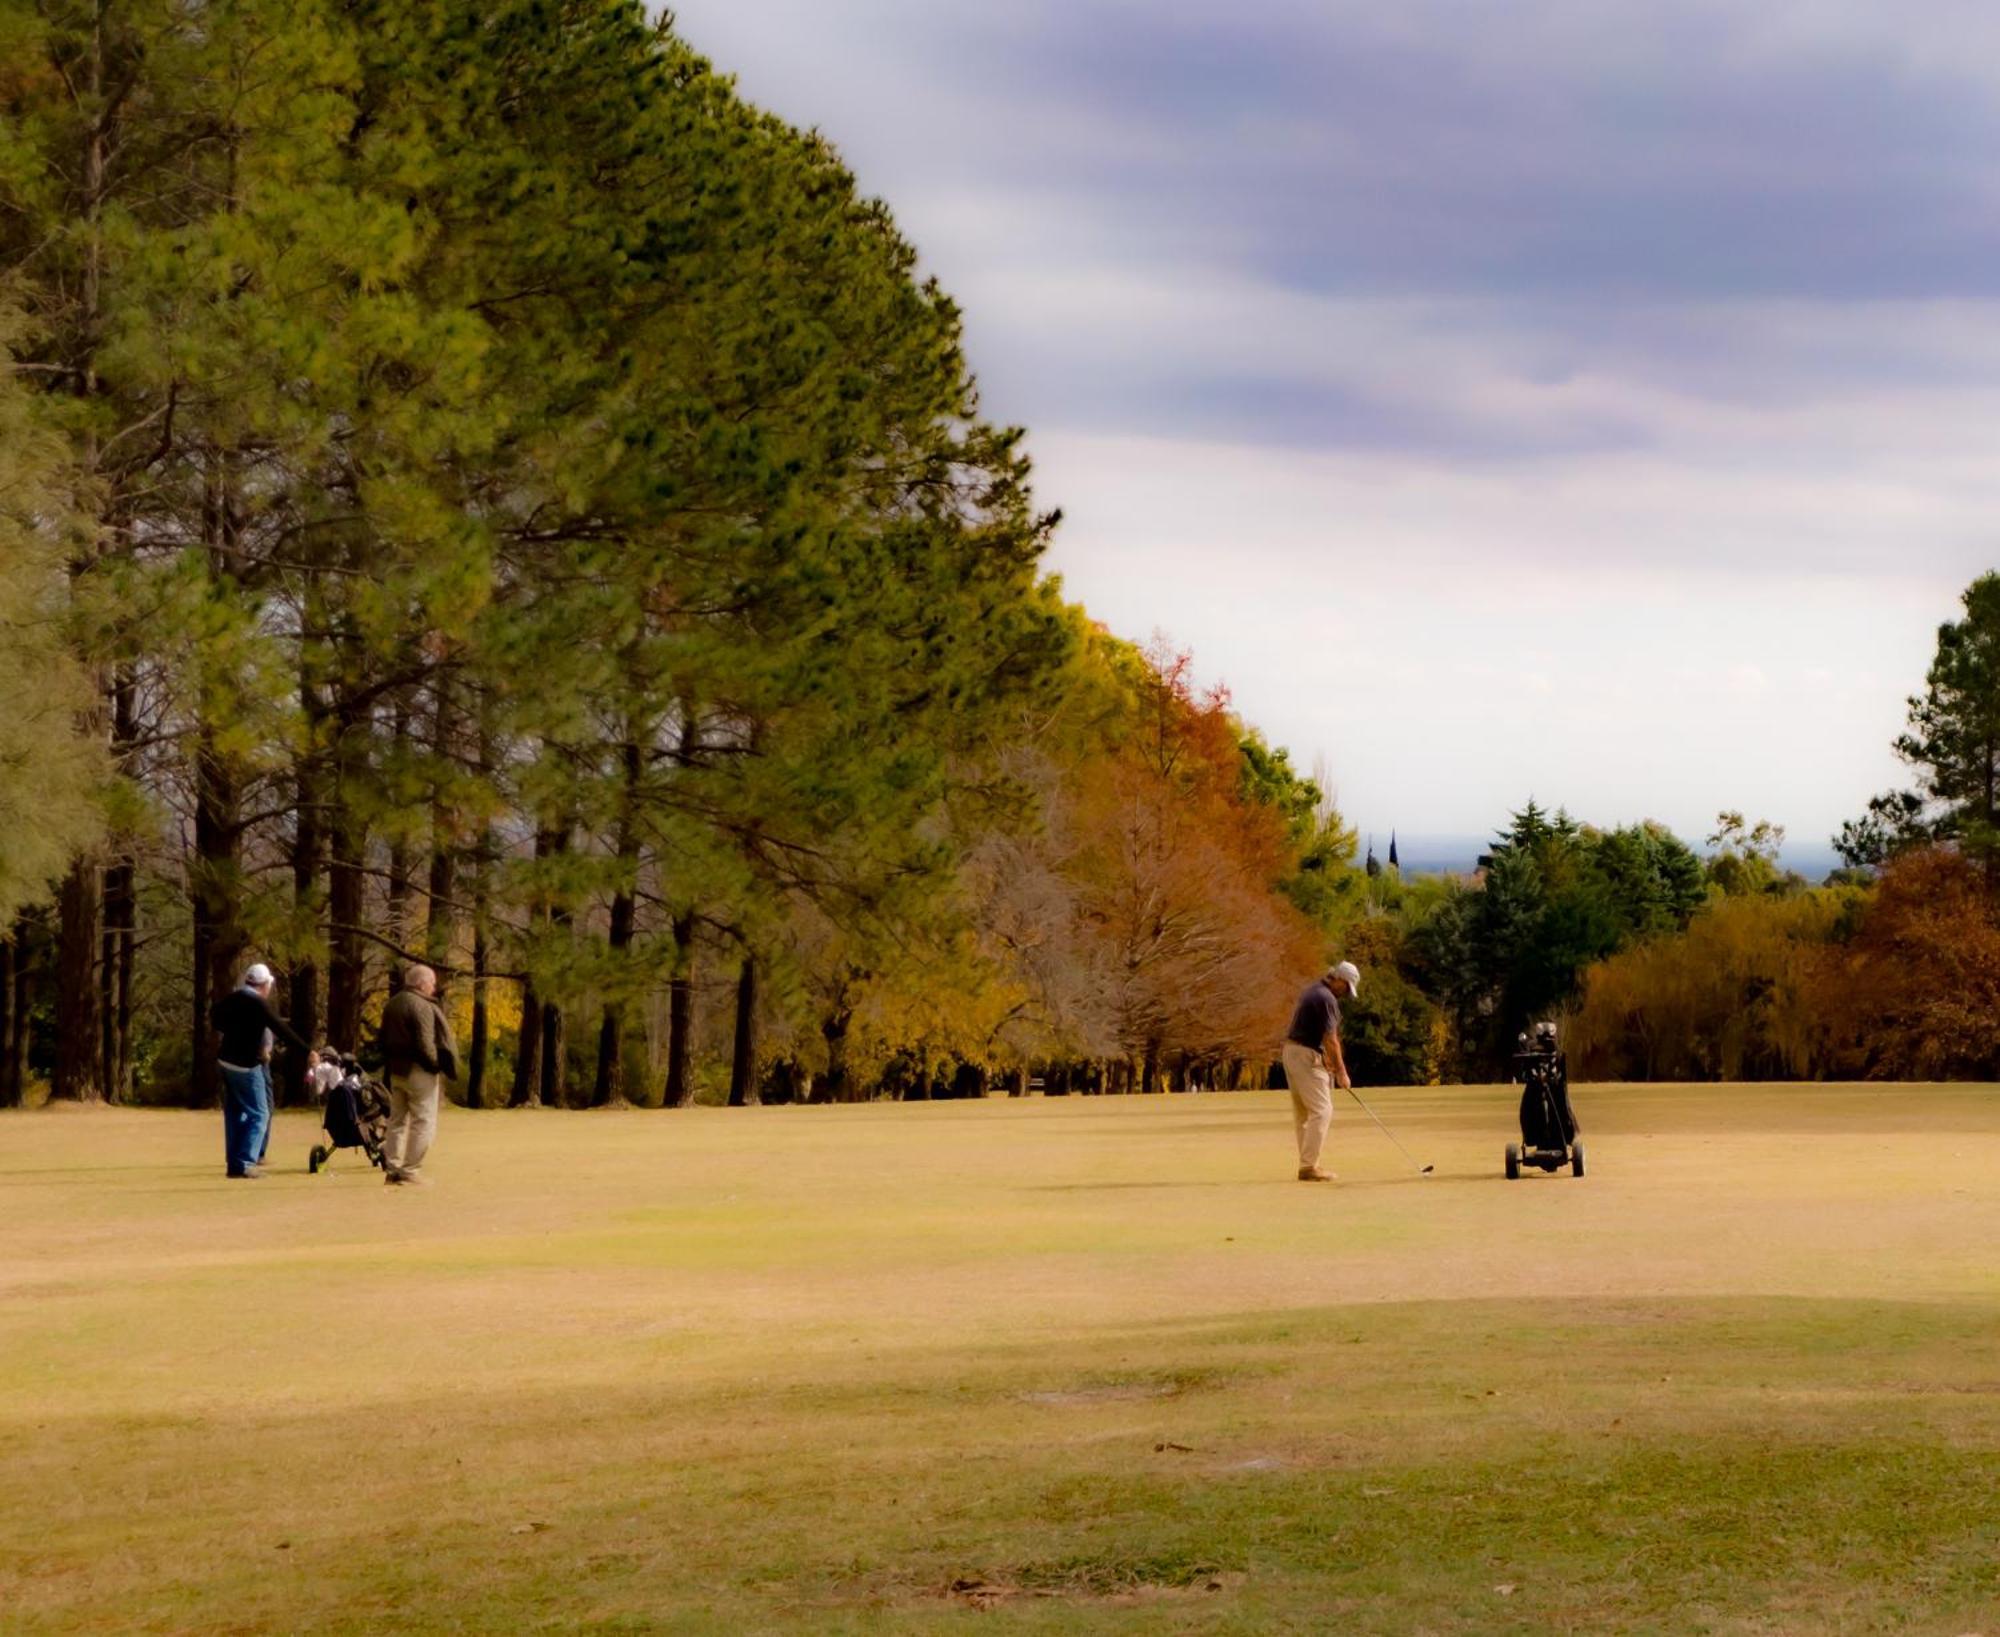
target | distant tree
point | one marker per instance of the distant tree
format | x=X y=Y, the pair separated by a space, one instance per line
x=1893 y=823
x=1656 y=880
x=1393 y=1034
x=1553 y=896
x=1323 y=881
x=1953 y=741
x=1745 y=860
x=1743 y=993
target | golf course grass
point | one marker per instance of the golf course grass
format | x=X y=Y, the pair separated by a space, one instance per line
x=1065 y=1366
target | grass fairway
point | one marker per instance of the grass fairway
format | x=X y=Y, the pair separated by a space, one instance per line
x=1066 y=1366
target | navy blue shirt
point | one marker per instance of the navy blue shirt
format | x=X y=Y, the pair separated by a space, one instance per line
x=1316 y=1016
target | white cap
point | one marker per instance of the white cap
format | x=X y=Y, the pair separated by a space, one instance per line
x=257 y=976
x=1352 y=973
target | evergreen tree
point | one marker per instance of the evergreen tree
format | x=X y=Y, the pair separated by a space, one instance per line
x=1953 y=741
x=51 y=772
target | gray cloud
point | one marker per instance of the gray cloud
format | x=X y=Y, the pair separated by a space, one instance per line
x=1435 y=145
x=1696 y=200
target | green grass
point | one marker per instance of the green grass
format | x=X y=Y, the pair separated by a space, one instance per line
x=1080 y=1366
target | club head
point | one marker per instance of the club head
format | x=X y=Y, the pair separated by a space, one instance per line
x=1427 y=1170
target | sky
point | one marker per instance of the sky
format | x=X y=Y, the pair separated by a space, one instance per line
x=1586 y=401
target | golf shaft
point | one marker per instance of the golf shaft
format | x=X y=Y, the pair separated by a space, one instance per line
x=1421 y=1168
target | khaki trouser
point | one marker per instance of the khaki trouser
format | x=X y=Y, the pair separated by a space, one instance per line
x=1312 y=1100
x=413 y=1116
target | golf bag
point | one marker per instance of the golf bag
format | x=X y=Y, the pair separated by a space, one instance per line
x=1546 y=1118
x=356 y=1116
x=1548 y=1125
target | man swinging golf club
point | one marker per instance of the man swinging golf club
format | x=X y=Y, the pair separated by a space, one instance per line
x=1314 y=1065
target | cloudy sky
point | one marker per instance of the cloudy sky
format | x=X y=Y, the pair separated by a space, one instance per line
x=1573 y=399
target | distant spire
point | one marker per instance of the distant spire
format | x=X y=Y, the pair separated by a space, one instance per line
x=1394 y=862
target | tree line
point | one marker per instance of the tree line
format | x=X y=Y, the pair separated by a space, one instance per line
x=474 y=489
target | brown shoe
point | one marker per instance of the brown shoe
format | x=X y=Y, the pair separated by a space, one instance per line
x=1312 y=1173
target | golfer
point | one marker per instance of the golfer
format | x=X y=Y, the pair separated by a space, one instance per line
x=418 y=1052
x=1313 y=1064
x=247 y=1025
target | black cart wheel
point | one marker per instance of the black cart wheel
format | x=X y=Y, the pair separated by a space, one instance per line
x=1576 y=1159
x=318 y=1158
x=1513 y=1162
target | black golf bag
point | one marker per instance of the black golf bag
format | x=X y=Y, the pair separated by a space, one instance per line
x=1548 y=1124
x=1546 y=1118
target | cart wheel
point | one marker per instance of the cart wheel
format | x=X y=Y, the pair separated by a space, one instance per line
x=1513 y=1162
x=1576 y=1159
x=317 y=1159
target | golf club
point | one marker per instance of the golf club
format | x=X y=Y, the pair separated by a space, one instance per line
x=1422 y=1170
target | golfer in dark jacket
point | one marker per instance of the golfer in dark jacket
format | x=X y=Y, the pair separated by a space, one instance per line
x=247 y=1025
x=1314 y=1063
x=418 y=1053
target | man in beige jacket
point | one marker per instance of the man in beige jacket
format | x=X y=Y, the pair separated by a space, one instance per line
x=419 y=1054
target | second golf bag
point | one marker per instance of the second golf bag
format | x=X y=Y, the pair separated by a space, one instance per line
x=356 y=1116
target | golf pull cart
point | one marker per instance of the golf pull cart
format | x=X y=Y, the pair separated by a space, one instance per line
x=1548 y=1128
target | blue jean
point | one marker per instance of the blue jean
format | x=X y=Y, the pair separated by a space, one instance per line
x=246 y=1116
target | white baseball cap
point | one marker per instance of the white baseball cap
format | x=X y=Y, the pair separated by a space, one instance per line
x=258 y=976
x=1351 y=973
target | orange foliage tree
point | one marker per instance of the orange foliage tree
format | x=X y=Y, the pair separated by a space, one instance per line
x=1176 y=873
x=1919 y=986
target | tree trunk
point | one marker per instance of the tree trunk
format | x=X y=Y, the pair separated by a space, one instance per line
x=475 y=1072
x=475 y=1069
x=441 y=921
x=550 y=843
x=610 y=1057
x=79 y=1067
x=624 y=913
x=680 y=1016
x=527 y=1091
x=399 y=843
x=833 y=1029
x=743 y=1058
x=114 y=1008
x=16 y=1066
x=120 y=911
x=347 y=972
x=10 y=1085
x=218 y=938
x=302 y=988
x=555 y=1056
x=611 y=1033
